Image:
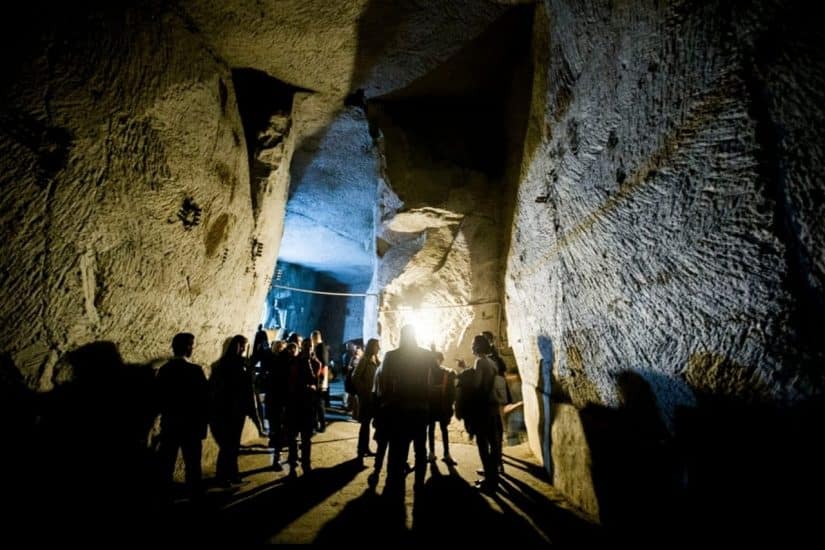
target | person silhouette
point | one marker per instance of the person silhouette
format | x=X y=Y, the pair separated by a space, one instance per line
x=363 y=379
x=480 y=410
x=232 y=402
x=182 y=401
x=406 y=380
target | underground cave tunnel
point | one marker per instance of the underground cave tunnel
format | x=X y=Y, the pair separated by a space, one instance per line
x=627 y=195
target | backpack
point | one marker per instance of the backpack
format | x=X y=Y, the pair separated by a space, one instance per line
x=464 y=394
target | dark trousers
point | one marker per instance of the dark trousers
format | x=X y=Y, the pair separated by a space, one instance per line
x=321 y=411
x=191 y=447
x=300 y=422
x=277 y=433
x=488 y=439
x=228 y=437
x=406 y=429
x=380 y=452
x=364 y=431
x=445 y=438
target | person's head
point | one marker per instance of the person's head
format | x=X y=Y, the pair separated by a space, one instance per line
x=489 y=336
x=481 y=346
x=373 y=347
x=351 y=346
x=260 y=328
x=237 y=347
x=295 y=338
x=291 y=349
x=315 y=336
x=408 y=338
x=439 y=357
x=279 y=346
x=306 y=346
x=183 y=343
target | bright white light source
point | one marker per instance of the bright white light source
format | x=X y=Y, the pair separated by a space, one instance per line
x=426 y=323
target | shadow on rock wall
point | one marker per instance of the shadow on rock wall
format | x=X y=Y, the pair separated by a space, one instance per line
x=732 y=469
x=81 y=466
x=635 y=469
x=752 y=467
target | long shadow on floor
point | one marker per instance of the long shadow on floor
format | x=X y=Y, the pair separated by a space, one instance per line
x=256 y=517
x=549 y=515
x=450 y=510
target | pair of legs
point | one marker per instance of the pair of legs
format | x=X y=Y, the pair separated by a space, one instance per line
x=300 y=422
x=445 y=438
x=228 y=436
x=488 y=439
x=403 y=431
x=364 y=431
x=191 y=446
x=277 y=431
x=381 y=450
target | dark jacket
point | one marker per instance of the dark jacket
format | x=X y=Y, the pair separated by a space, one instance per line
x=182 y=397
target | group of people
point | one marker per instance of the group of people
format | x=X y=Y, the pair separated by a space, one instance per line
x=402 y=398
x=406 y=395
x=292 y=377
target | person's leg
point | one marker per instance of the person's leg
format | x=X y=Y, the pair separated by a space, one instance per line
x=276 y=432
x=489 y=458
x=234 y=447
x=221 y=467
x=431 y=438
x=496 y=447
x=167 y=457
x=364 y=435
x=292 y=430
x=306 y=443
x=445 y=438
x=399 y=448
x=499 y=443
x=321 y=412
x=192 y=447
x=483 y=444
x=419 y=433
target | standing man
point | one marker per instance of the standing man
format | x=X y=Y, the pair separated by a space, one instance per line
x=406 y=381
x=183 y=402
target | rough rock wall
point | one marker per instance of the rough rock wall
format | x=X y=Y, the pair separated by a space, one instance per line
x=334 y=173
x=302 y=311
x=438 y=246
x=656 y=223
x=126 y=205
x=338 y=47
x=344 y=319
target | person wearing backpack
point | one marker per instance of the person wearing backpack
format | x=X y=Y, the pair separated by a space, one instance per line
x=480 y=410
x=502 y=392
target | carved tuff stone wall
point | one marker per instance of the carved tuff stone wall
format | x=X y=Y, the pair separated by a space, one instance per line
x=663 y=251
x=127 y=213
x=439 y=251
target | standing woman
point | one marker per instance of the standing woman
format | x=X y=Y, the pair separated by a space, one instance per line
x=363 y=378
x=232 y=401
x=481 y=408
